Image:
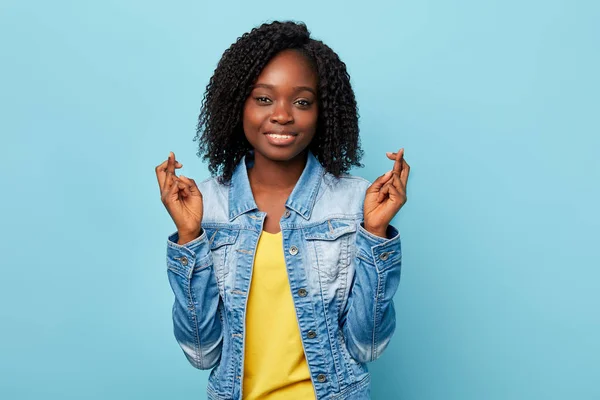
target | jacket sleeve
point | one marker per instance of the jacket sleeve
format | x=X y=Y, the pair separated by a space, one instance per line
x=369 y=319
x=198 y=306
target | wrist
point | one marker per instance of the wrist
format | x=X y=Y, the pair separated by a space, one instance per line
x=377 y=231
x=186 y=237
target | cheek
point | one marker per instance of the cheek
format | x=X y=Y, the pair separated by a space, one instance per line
x=309 y=121
x=252 y=117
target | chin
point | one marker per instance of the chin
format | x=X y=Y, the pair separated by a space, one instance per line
x=281 y=153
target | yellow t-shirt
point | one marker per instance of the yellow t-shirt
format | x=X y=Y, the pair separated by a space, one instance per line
x=274 y=363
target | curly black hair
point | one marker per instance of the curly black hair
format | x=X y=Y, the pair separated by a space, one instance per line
x=336 y=143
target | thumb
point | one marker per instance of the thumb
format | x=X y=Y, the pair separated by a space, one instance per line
x=379 y=182
x=191 y=185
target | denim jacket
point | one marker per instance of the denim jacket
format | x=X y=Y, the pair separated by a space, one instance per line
x=342 y=279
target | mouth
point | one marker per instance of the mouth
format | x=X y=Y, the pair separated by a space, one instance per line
x=281 y=138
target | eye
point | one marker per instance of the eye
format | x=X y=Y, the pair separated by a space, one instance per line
x=303 y=103
x=263 y=99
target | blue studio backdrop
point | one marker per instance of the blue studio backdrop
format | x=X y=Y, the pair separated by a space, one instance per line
x=495 y=102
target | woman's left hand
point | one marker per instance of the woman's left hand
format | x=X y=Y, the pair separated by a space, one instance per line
x=386 y=196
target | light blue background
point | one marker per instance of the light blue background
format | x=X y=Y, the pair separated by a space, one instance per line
x=496 y=103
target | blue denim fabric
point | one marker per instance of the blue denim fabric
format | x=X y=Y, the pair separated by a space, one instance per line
x=342 y=279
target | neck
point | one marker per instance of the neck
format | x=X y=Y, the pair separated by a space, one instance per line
x=276 y=175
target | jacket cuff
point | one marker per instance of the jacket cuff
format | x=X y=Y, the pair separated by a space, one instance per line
x=194 y=255
x=383 y=253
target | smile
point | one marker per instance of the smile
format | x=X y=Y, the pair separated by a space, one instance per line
x=281 y=139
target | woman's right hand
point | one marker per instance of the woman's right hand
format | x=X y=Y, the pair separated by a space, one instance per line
x=182 y=199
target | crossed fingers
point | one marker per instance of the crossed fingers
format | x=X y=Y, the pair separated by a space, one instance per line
x=396 y=185
x=165 y=172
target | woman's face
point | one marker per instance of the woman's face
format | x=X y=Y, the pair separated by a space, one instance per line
x=280 y=115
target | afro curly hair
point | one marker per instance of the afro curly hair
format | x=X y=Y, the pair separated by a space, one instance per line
x=222 y=142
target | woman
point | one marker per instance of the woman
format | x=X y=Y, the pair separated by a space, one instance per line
x=283 y=265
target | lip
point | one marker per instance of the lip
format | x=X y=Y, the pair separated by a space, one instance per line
x=281 y=141
x=281 y=133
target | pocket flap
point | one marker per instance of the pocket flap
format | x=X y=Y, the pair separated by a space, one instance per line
x=220 y=237
x=330 y=229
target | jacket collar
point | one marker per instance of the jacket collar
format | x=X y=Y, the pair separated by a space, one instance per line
x=301 y=200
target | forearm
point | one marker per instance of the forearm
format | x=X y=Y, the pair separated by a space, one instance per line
x=370 y=318
x=196 y=320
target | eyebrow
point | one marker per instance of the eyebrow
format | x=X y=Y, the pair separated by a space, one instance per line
x=296 y=88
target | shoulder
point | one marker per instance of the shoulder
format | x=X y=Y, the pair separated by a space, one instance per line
x=345 y=183
x=342 y=196
x=215 y=199
x=212 y=185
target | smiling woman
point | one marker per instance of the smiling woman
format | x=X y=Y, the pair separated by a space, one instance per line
x=283 y=266
x=280 y=115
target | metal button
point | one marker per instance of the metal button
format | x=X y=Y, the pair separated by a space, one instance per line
x=311 y=334
x=184 y=260
x=293 y=250
x=286 y=214
x=321 y=378
x=302 y=292
x=384 y=256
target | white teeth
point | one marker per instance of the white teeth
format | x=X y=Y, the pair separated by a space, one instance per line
x=279 y=136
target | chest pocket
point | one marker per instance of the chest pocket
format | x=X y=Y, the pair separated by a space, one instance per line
x=221 y=241
x=331 y=241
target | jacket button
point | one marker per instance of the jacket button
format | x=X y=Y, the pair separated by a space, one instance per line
x=321 y=378
x=311 y=334
x=302 y=292
x=184 y=260
x=286 y=214
x=293 y=250
x=384 y=256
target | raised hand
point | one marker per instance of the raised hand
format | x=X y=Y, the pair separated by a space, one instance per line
x=182 y=199
x=386 y=196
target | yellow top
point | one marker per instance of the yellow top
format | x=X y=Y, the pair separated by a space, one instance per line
x=274 y=362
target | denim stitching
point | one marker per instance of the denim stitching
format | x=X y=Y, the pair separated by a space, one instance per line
x=200 y=359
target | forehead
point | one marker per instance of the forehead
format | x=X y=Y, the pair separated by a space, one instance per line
x=288 y=68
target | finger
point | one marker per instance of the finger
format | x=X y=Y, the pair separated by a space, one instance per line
x=397 y=185
x=166 y=182
x=169 y=171
x=184 y=188
x=396 y=196
x=398 y=161
x=379 y=182
x=161 y=172
x=393 y=155
x=404 y=174
x=170 y=193
x=395 y=181
x=161 y=175
x=163 y=165
x=384 y=192
x=191 y=185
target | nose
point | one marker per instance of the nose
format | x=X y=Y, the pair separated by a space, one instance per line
x=281 y=114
